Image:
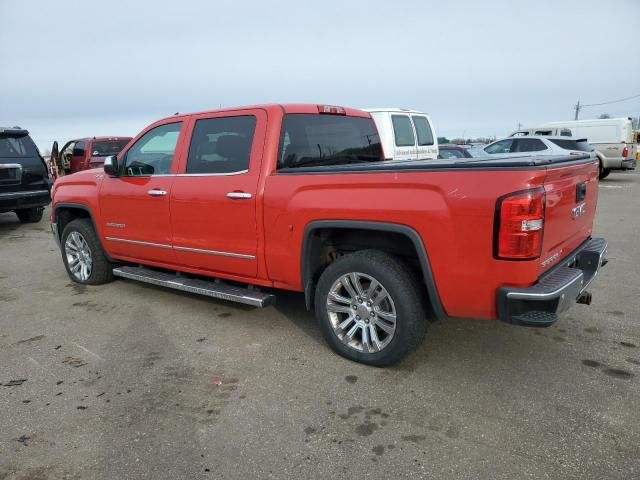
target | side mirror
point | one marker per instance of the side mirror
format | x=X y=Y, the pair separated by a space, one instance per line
x=111 y=166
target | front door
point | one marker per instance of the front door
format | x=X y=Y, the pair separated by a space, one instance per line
x=134 y=206
x=213 y=202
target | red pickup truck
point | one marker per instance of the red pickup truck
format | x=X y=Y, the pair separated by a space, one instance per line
x=239 y=202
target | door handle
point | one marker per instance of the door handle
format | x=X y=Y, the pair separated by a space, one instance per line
x=239 y=195
x=157 y=193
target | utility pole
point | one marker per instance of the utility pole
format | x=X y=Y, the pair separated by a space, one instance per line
x=519 y=126
x=577 y=107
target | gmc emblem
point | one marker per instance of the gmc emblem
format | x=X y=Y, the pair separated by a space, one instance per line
x=578 y=211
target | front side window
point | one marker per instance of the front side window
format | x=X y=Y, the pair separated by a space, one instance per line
x=78 y=149
x=153 y=153
x=423 y=130
x=530 y=145
x=503 y=146
x=221 y=145
x=403 y=131
x=309 y=140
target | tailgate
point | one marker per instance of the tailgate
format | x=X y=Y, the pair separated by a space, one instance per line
x=572 y=195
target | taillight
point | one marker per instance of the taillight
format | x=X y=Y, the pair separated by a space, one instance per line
x=519 y=225
x=625 y=151
x=331 y=110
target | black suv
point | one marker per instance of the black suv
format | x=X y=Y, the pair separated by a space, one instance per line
x=24 y=179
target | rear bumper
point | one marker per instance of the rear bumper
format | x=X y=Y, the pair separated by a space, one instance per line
x=557 y=290
x=629 y=164
x=10 y=201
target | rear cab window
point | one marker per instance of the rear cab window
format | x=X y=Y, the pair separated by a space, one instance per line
x=313 y=140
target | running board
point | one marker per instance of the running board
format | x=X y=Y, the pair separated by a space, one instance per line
x=215 y=289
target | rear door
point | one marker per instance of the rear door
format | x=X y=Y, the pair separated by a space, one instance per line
x=427 y=147
x=135 y=205
x=404 y=137
x=530 y=146
x=213 y=200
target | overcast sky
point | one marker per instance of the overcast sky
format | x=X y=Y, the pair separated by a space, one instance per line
x=83 y=68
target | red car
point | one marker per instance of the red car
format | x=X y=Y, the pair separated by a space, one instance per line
x=83 y=154
x=300 y=197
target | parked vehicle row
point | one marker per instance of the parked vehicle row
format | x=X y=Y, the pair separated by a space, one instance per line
x=612 y=140
x=302 y=197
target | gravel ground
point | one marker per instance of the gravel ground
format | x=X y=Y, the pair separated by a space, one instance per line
x=133 y=381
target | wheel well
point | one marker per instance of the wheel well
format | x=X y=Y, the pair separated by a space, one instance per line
x=323 y=245
x=64 y=215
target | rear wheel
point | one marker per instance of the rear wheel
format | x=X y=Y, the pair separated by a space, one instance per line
x=369 y=307
x=83 y=255
x=30 y=215
x=603 y=172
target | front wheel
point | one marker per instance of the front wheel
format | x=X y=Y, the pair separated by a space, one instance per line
x=30 y=215
x=82 y=254
x=369 y=307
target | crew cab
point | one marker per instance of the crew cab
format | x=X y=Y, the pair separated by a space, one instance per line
x=83 y=154
x=24 y=181
x=239 y=203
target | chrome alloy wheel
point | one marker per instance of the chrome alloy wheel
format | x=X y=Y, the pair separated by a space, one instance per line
x=79 y=258
x=361 y=312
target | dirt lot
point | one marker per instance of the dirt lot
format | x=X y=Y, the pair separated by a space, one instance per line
x=132 y=381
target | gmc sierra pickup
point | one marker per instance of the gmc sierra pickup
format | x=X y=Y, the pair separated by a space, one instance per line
x=231 y=202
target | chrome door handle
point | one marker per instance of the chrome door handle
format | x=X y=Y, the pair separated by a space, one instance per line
x=239 y=195
x=157 y=193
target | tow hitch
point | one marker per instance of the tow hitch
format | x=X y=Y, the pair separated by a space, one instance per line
x=585 y=298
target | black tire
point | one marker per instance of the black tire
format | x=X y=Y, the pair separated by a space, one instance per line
x=30 y=215
x=102 y=269
x=403 y=289
x=603 y=172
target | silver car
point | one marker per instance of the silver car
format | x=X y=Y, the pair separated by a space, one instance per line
x=538 y=145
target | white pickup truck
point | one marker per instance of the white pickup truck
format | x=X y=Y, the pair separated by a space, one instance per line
x=405 y=134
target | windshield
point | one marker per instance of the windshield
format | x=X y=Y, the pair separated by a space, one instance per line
x=17 y=147
x=316 y=140
x=104 y=148
x=580 y=145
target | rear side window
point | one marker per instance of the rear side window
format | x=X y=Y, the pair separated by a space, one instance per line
x=403 y=131
x=319 y=140
x=580 y=145
x=503 y=146
x=16 y=147
x=423 y=130
x=530 y=145
x=221 y=145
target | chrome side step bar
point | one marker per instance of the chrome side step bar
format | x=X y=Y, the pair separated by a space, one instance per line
x=215 y=289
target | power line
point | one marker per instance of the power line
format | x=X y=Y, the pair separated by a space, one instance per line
x=579 y=107
x=612 y=101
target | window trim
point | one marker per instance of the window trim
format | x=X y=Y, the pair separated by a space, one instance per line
x=395 y=135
